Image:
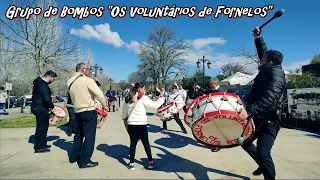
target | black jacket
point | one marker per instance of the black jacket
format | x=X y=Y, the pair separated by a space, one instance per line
x=41 y=95
x=207 y=91
x=267 y=89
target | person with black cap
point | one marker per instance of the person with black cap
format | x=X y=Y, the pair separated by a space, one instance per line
x=262 y=105
x=40 y=106
x=175 y=97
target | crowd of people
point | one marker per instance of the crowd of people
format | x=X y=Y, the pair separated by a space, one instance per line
x=261 y=106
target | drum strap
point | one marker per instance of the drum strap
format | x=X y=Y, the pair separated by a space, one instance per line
x=139 y=97
x=68 y=92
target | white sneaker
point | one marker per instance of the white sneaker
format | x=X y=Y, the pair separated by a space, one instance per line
x=151 y=165
x=130 y=166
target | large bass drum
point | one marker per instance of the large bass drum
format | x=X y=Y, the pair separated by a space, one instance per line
x=214 y=120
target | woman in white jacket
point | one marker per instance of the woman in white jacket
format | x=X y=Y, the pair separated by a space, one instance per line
x=134 y=112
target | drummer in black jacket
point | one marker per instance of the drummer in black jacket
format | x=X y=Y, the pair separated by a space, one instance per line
x=261 y=105
x=214 y=87
x=41 y=103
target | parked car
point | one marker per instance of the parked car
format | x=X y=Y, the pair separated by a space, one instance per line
x=19 y=101
x=28 y=100
x=59 y=98
x=12 y=101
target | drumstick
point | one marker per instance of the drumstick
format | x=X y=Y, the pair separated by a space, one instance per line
x=240 y=139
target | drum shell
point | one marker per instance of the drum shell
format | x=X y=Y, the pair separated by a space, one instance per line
x=205 y=123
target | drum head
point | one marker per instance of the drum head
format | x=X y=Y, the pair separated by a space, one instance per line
x=59 y=111
x=101 y=112
x=222 y=129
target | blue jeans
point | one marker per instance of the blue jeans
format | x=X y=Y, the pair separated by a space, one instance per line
x=3 y=105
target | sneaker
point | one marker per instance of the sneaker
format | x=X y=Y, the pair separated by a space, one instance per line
x=151 y=165
x=163 y=130
x=215 y=149
x=257 y=172
x=130 y=166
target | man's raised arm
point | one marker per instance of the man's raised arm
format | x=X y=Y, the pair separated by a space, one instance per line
x=259 y=42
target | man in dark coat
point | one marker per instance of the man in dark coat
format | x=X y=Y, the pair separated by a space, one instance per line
x=263 y=107
x=214 y=87
x=40 y=106
x=112 y=97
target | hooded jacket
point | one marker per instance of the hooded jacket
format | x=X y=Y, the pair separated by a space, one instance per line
x=41 y=95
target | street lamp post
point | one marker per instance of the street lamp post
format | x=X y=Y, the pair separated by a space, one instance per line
x=110 y=80
x=203 y=60
x=96 y=68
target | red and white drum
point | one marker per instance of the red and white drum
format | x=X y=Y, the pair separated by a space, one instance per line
x=167 y=112
x=214 y=120
x=102 y=115
x=56 y=115
x=112 y=101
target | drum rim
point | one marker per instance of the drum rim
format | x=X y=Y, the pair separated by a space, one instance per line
x=201 y=98
x=62 y=109
x=101 y=112
x=164 y=107
x=219 y=146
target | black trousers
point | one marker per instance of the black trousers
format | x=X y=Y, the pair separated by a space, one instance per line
x=262 y=153
x=42 y=119
x=136 y=132
x=86 y=128
x=113 y=106
x=177 y=119
x=72 y=120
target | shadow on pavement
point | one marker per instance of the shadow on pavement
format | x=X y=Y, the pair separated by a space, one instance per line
x=49 y=138
x=174 y=140
x=118 y=151
x=64 y=145
x=314 y=135
x=172 y=163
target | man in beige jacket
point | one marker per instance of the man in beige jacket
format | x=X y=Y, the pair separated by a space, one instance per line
x=83 y=91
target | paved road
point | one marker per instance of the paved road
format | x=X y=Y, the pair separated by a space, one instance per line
x=178 y=156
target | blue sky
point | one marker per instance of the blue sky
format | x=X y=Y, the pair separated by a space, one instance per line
x=113 y=40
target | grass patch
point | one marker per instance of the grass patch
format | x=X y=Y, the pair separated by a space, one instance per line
x=24 y=122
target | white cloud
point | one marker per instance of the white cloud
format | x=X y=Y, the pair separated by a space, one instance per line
x=133 y=46
x=296 y=65
x=203 y=42
x=203 y=47
x=103 y=33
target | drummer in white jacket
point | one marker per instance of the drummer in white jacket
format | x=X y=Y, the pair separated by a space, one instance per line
x=177 y=98
x=134 y=113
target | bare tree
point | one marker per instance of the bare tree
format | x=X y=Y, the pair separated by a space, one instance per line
x=42 y=40
x=123 y=84
x=250 y=56
x=163 y=52
x=9 y=60
x=231 y=68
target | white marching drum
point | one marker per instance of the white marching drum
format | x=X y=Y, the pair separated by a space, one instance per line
x=167 y=112
x=56 y=115
x=214 y=120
